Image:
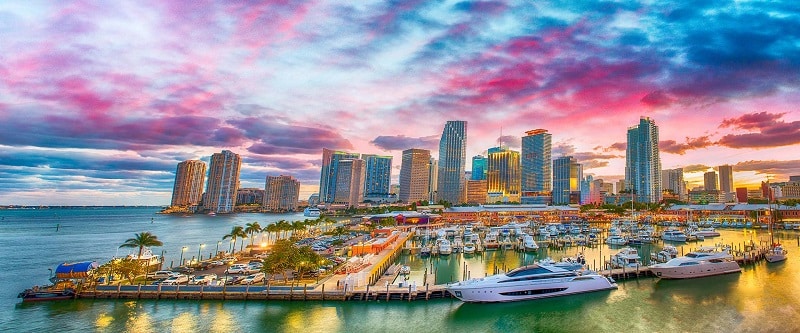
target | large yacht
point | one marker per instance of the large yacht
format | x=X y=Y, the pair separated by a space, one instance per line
x=311 y=212
x=673 y=235
x=776 y=253
x=706 y=261
x=529 y=244
x=444 y=246
x=529 y=282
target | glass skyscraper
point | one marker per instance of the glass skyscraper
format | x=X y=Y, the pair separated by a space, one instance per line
x=478 y=167
x=567 y=175
x=452 y=161
x=223 y=182
x=503 y=174
x=379 y=175
x=329 y=174
x=643 y=162
x=414 y=175
x=537 y=173
x=189 y=180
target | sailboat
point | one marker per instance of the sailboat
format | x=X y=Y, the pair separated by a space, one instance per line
x=776 y=251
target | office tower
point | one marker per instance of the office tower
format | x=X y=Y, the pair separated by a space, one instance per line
x=329 y=174
x=726 y=179
x=433 y=179
x=452 y=161
x=741 y=194
x=281 y=193
x=620 y=186
x=478 y=167
x=249 y=196
x=673 y=181
x=415 y=173
x=567 y=174
x=476 y=191
x=189 y=180
x=378 y=175
x=536 y=161
x=710 y=181
x=643 y=162
x=590 y=191
x=350 y=182
x=503 y=174
x=223 y=182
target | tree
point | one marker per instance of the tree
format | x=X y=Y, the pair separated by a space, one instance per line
x=141 y=240
x=237 y=232
x=252 y=228
x=286 y=255
x=272 y=228
x=298 y=228
x=129 y=268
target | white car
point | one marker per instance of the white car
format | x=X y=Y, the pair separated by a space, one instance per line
x=238 y=269
x=253 y=278
x=160 y=274
x=175 y=280
x=203 y=279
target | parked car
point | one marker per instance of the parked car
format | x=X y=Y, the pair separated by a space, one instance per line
x=253 y=278
x=160 y=274
x=255 y=267
x=203 y=279
x=238 y=269
x=175 y=280
x=231 y=279
x=183 y=270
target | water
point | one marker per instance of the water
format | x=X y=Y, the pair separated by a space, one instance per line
x=764 y=298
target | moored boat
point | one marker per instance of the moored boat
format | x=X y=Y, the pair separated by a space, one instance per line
x=776 y=253
x=36 y=294
x=706 y=261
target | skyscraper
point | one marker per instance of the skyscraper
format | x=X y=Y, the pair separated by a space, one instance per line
x=503 y=174
x=643 y=162
x=537 y=172
x=478 y=167
x=189 y=180
x=378 y=175
x=223 y=182
x=673 y=180
x=567 y=175
x=726 y=179
x=710 y=181
x=452 y=161
x=281 y=193
x=329 y=174
x=433 y=179
x=350 y=182
x=414 y=175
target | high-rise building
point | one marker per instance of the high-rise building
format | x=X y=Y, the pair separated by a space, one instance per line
x=476 y=191
x=378 y=174
x=223 y=182
x=189 y=180
x=741 y=194
x=478 y=167
x=590 y=191
x=414 y=175
x=567 y=174
x=503 y=174
x=620 y=186
x=673 y=181
x=281 y=193
x=433 y=180
x=710 y=181
x=726 y=178
x=248 y=196
x=329 y=174
x=350 y=182
x=452 y=161
x=537 y=172
x=643 y=162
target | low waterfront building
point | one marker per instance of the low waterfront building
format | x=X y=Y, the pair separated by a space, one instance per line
x=499 y=214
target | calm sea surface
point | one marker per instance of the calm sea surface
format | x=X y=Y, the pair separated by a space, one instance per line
x=764 y=298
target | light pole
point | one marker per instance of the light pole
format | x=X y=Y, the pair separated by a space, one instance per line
x=216 y=253
x=183 y=249
x=199 y=248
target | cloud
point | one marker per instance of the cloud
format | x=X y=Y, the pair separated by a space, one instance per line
x=673 y=147
x=617 y=146
x=786 y=167
x=769 y=131
x=402 y=142
x=657 y=99
x=696 y=168
x=510 y=141
x=593 y=164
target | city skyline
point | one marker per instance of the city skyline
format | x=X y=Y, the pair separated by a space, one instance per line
x=99 y=107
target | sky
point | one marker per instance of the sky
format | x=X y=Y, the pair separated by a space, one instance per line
x=99 y=100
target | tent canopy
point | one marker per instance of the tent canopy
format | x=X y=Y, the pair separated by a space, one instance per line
x=75 y=270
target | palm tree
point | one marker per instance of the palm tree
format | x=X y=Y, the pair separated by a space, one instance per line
x=272 y=228
x=252 y=228
x=283 y=226
x=298 y=226
x=141 y=240
x=236 y=233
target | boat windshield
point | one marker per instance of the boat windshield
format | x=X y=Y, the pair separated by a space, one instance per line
x=527 y=270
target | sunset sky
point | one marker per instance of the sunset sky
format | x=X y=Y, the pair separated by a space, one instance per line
x=99 y=100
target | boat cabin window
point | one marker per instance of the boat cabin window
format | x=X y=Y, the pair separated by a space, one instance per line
x=688 y=263
x=527 y=270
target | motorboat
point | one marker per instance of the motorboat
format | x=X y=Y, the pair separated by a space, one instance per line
x=528 y=244
x=311 y=212
x=776 y=253
x=36 y=294
x=444 y=246
x=529 y=282
x=673 y=235
x=627 y=257
x=668 y=253
x=469 y=247
x=425 y=251
x=490 y=242
x=405 y=270
x=616 y=240
x=706 y=261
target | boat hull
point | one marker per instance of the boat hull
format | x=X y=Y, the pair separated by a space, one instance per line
x=531 y=290
x=41 y=296
x=695 y=271
x=772 y=257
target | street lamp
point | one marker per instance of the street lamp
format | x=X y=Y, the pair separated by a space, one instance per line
x=200 y=248
x=216 y=253
x=183 y=249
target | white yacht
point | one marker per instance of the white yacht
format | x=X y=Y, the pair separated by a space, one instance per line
x=707 y=232
x=627 y=257
x=616 y=240
x=706 y=261
x=529 y=244
x=529 y=282
x=668 y=253
x=776 y=253
x=673 y=235
x=311 y=212
x=469 y=247
x=444 y=246
x=490 y=242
